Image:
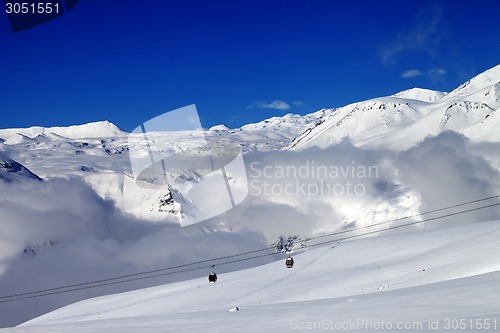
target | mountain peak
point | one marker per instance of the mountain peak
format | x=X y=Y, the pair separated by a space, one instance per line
x=220 y=127
x=90 y=130
x=419 y=94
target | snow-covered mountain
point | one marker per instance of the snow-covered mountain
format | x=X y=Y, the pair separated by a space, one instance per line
x=406 y=118
x=98 y=151
x=91 y=130
x=364 y=165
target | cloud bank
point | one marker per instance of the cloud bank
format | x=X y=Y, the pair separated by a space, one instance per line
x=91 y=240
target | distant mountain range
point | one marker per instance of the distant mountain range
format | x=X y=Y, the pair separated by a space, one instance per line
x=98 y=151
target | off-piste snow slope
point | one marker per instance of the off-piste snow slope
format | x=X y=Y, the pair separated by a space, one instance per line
x=423 y=281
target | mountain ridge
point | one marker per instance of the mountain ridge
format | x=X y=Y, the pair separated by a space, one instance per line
x=13 y=171
x=89 y=130
x=483 y=88
x=473 y=103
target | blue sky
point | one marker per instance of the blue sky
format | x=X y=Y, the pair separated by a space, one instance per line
x=239 y=62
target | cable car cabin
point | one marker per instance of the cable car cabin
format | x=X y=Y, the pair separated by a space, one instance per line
x=212 y=277
x=289 y=262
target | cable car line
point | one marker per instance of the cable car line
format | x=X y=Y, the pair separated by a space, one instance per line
x=137 y=274
x=174 y=269
x=58 y=291
x=243 y=253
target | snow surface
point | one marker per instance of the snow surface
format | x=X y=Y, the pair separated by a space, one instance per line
x=485 y=80
x=419 y=94
x=412 y=278
x=91 y=130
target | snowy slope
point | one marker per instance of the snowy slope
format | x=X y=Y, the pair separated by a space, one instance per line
x=362 y=122
x=273 y=133
x=91 y=130
x=11 y=171
x=407 y=118
x=479 y=83
x=396 y=278
x=419 y=94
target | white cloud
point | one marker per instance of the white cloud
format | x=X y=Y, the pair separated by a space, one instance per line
x=424 y=36
x=277 y=104
x=411 y=73
x=438 y=71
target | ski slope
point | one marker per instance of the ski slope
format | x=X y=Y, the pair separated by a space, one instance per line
x=415 y=279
